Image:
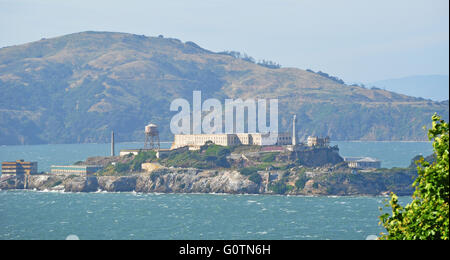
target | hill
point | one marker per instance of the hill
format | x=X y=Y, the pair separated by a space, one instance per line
x=434 y=87
x=77 y=88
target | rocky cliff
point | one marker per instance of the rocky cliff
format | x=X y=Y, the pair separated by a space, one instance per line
x=163 y=180
x=180 y=180
x=319 y=157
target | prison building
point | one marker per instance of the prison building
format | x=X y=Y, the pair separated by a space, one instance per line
x=362 y=162
x=19 y=167
x=82 y=170
x=194 y=141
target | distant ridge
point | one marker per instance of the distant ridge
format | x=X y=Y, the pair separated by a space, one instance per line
x=434 y=87
x=78 y=87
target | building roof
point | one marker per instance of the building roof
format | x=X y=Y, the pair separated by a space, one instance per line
x=138 y=150
x=360 y=159
x=18 y=161
x=76 y=166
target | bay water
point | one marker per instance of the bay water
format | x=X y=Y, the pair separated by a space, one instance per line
x=47 y=215
x=55 y=215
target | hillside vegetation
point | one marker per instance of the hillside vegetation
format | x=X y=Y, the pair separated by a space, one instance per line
x=79 y=87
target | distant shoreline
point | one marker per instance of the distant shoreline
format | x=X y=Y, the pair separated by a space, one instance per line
x=169 y=142
x=200 y=193
x=190 y=180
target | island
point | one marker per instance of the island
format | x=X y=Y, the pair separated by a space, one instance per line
x=239 y=169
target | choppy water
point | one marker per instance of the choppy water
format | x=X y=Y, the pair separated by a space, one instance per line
x=41 y=215
x=44 y=215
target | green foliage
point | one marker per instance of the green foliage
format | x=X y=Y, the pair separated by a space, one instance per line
x=398 y=180
x=265 y=166
x=280 y=187
x=210 y=156
x=265 y=63
x=122 y=167
x=184 y=159
x=256 y=178
x=211 y=149
x=333 y=78
x=430 y=159
x=301 y=181
x=245 y=148
x=247 y=171
x=131 y=166
x=135 y=164
x=268 y=157
x=217 y=155
x=427 y=216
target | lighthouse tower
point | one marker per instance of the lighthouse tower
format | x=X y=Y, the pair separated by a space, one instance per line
x=112 y=144
x=294 y=131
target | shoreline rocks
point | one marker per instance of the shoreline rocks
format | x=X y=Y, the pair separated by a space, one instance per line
x=188 y=180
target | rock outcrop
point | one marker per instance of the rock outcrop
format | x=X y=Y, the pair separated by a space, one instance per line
x=81 y=184
x=193 y=180
x=319 y=157
x=117 y=184
x=162 y=180
x=188 y=180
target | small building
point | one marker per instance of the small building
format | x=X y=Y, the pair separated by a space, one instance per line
x=83 y=170
x=19 y=167
x=362 y=162
x=132 y=151
x=159 y=152
x=314 y=141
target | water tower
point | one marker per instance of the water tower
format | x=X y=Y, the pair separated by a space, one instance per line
x=151 y=137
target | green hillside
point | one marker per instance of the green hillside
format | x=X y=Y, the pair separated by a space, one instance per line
x=78 y=87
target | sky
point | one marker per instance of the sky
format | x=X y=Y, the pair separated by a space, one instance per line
x=358 y=41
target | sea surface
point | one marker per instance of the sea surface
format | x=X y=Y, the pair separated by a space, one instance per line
x=47 y=215
x=54 y=215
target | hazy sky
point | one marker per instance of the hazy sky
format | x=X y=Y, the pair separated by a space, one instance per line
x=356 y=40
